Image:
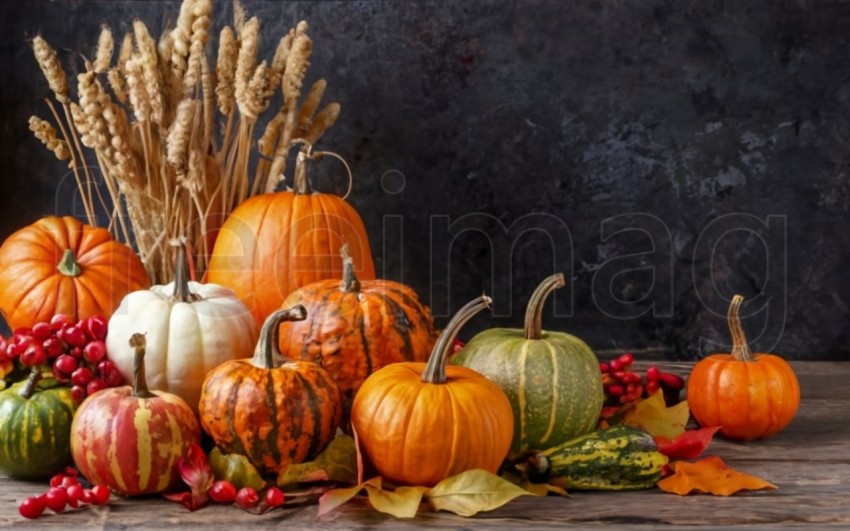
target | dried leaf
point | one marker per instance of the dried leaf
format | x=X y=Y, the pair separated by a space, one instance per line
x=542 y=489
x=473 y=491
x=709 y=475
x=403 y=502
x=197 y=474
x=338 y=462
x=689 y=445
x=359 y=454
x=236 y=469
x=332 y=499
x=652 y=415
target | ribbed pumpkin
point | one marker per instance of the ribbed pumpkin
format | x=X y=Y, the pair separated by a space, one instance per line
x=353 y=328
x=35 y=428
x=551 y=378
x=130 y=438
x=61 y=266
x=420 y=424
x=272 y=410
x=749 y=396
x=189 y=328
x=273 y=244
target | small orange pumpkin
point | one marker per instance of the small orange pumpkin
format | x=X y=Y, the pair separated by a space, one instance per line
x=59 y=265
x=749 y=396
x=420 y=424
x=355 y=328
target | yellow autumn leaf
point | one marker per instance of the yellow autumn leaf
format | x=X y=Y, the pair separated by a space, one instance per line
x=473 y=491
x=236 y=469
x=332 y=499
x=402 y=502
x=542 y=489
x=710 y=475
x=653 y=416
x=338 y=463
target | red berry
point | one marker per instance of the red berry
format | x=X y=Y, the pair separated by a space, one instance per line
x=88 y=496
x=652 y=374
x=74 y=336
x=77 y=352
x=82 y=376
x=41 y=331
x=69 y=481
x=56 y=498
x=616 y=390
x=247 y=498
x=105 y=366
x=101 y=494
x=275 y=497
x=619 y=375
x=631 y=378
x=627 y=359
x=33 y=355
x=95 y=351
x=66 y=363
x=56 y=481
x=74 y=494
x=71 y=471
x=652 y=387
x=53 y=346
x=95 y=385
x=603 y=367
x=616 y=365
x=222 y=491
x=78 y=393
x=32 y=507
x=13 y=350
x=95 y=327
x=22 y=331
x=60 y=321
x=670 y=381
x=113 y=378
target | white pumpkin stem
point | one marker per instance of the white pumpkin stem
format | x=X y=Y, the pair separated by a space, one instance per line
x=534 y=310
x=32 y=380
x=435 y=370
x=267 y=354
x=740 y=350
x=140 y=384
x=350 y=282
x=182 y=293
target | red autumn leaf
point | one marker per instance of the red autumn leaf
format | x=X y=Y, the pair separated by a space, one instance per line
x=197 y=475
x=709 y=475
x=689 y=445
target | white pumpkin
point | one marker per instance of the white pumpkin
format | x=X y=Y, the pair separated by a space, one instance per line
x=190 y=328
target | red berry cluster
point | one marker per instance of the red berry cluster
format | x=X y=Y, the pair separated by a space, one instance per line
x=65 y=491
x=223 y=491
x=75 y=351
x=622 y=385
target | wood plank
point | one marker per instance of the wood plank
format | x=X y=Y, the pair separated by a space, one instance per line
x=809 y=462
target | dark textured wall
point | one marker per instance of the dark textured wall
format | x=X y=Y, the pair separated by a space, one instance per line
x=665 y=155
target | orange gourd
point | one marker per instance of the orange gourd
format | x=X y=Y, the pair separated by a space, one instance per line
x=750 y=396
x=273 y=244
x=419 y=424
x=61 y=266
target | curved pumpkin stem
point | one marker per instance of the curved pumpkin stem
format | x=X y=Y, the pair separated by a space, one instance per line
x=140 y=384
x=300 y=182
x=435 y=370
x=740 y=350
x=181 y=274
x=68 y=265
x=267 y=354
x=32 y=380
x=350 y=281
x=534 y=311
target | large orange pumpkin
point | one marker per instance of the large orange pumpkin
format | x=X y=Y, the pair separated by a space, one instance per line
x=749 y=396
x=273 y=244
x=272 y=410
x=59 y=265
x=420 y=424
x=354 y=328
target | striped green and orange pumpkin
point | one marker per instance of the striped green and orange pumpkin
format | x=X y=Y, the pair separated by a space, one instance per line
x=129 y=438
x=551 y=378
x=354 y=328
x=35 y=428
x=272 y=410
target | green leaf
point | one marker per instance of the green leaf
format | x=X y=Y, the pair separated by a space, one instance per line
x=403 y=502
x=472 y=492
x=236 y=469
x=338 y=463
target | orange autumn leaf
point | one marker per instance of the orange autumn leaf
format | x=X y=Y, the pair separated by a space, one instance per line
x=653 y=416
x=711 y=476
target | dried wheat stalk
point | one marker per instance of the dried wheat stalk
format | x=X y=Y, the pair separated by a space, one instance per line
x=173 y=134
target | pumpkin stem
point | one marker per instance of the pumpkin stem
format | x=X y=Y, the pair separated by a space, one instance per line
x=349 y=279
x=300 y=183
x=32 y=380
x=68 y=265
x=140 y=385
x=267 y=354
x=534 y=311
x=740 y=350
x=435 y=370
x=181 y=273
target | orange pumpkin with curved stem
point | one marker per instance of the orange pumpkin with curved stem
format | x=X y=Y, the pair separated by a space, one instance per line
x=749 y=396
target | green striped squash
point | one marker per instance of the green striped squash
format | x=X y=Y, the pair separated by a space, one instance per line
x=551 y=378
x=35 y=428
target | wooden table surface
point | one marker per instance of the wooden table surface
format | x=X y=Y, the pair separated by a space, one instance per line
x=809 y=462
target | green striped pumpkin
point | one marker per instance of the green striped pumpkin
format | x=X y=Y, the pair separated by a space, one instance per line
x=35 y=428
x=551 y=378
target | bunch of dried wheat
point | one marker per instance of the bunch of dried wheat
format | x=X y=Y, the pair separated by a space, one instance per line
x=165 y=165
